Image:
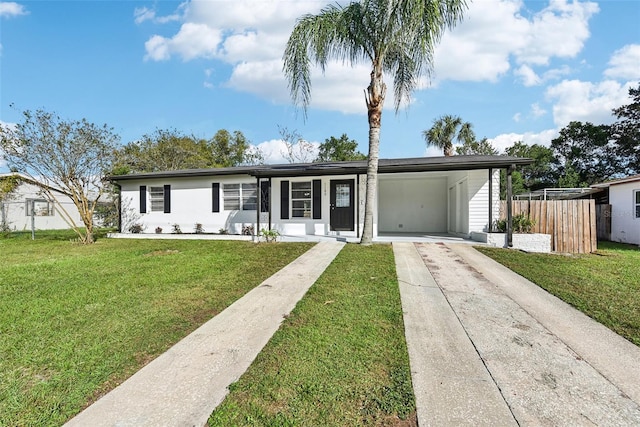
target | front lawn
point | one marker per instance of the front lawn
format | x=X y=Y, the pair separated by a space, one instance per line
x=75 y=320
x=339 y=359
x=604 y=285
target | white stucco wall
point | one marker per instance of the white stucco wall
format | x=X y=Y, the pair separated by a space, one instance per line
x=15 y=210
x=625 y=227
x=191 y=203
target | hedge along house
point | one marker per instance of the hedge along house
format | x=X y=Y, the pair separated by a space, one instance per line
x=429 y=195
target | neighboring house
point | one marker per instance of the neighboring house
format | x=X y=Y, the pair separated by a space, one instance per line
x=28 y=204
x=455 y=195
x=624 y=198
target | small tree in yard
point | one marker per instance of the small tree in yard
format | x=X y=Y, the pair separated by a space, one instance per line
x=67 y=155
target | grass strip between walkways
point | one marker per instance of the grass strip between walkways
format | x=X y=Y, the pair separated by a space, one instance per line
x=604 y=285
x=339 y=359
x=76 y=320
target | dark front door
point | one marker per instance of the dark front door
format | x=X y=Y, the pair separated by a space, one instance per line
x=342 y=205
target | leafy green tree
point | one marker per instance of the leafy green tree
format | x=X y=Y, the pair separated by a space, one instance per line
x=542 y=172
x=393 y=36
x=478 y=148
x=586 y=150
x=626 y=133
x=228 y=150
x=339 y=149
x=70 y=155
x=447 y=128
x=171 y=150
x=164 y=149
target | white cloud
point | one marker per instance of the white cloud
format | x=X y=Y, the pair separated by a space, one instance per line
x=481 y=47
x=625 y=63
x=537 y=111
x=560 y=30
x=143 y=14
x=506 y=140
x=517 y=117
x=274 y=151
x=528 y=76
x=10 y=9
x=250 y=35
x=192 y=41
x=585 y=101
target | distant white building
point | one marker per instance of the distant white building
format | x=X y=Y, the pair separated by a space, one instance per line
x=624 y=198
x=28 y=204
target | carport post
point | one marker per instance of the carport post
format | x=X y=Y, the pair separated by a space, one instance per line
x=510 y=170
x=490 y=226
x=256 y=232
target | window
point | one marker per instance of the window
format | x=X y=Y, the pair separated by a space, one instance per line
x=240 y=197
x=156 y=194
x=301 y=199
x=636 y=195
x=41 y=207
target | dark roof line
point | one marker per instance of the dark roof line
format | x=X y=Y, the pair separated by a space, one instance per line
x=414 y=164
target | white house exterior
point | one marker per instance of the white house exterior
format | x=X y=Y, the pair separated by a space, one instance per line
x=624 y=198
x=28 y=205
x=436 y=195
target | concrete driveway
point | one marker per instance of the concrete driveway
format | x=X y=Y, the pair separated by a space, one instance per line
x=488 y=347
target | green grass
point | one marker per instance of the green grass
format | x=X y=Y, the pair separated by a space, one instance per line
x=76 y=320
x=339 y=359
x=604 y=285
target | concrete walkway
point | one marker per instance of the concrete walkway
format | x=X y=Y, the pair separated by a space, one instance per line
x=184 y=385
x=488 y=347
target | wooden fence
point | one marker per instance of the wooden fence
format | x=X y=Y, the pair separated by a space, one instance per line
x=571 y=223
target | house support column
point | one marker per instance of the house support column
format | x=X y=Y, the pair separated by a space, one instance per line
x=490 y=226
x=357 y=205
x=256 y=232
x=269 y=207
x=509 y=196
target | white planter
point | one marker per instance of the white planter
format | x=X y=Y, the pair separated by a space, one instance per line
x=533 y=242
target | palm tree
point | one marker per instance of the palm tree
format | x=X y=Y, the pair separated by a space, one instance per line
x=445 y=129
x=395 y=36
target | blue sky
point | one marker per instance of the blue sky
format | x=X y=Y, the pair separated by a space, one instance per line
x=517 y=70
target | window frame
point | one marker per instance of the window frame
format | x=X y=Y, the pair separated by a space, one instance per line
x=636 y=204
x=50 y=210
x=306 y=209
x=246 y=198
x=156 y=198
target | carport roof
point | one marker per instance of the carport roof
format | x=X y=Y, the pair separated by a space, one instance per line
x=415 y=164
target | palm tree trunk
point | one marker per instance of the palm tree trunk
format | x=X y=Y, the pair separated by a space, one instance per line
x=375 y=100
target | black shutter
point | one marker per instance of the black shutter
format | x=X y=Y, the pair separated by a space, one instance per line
x=167 y=199
x=265 y=195
x=284 y=199
x=215 y=197
x=143 y=199
x=317 y=199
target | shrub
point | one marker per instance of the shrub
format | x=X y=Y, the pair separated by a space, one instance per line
x=176 y=229
x=223 y=231
x=269 y=235
x=521 y=224
x=158 y=230
x=198 y=229
x=247 y=230
x=136 y=228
